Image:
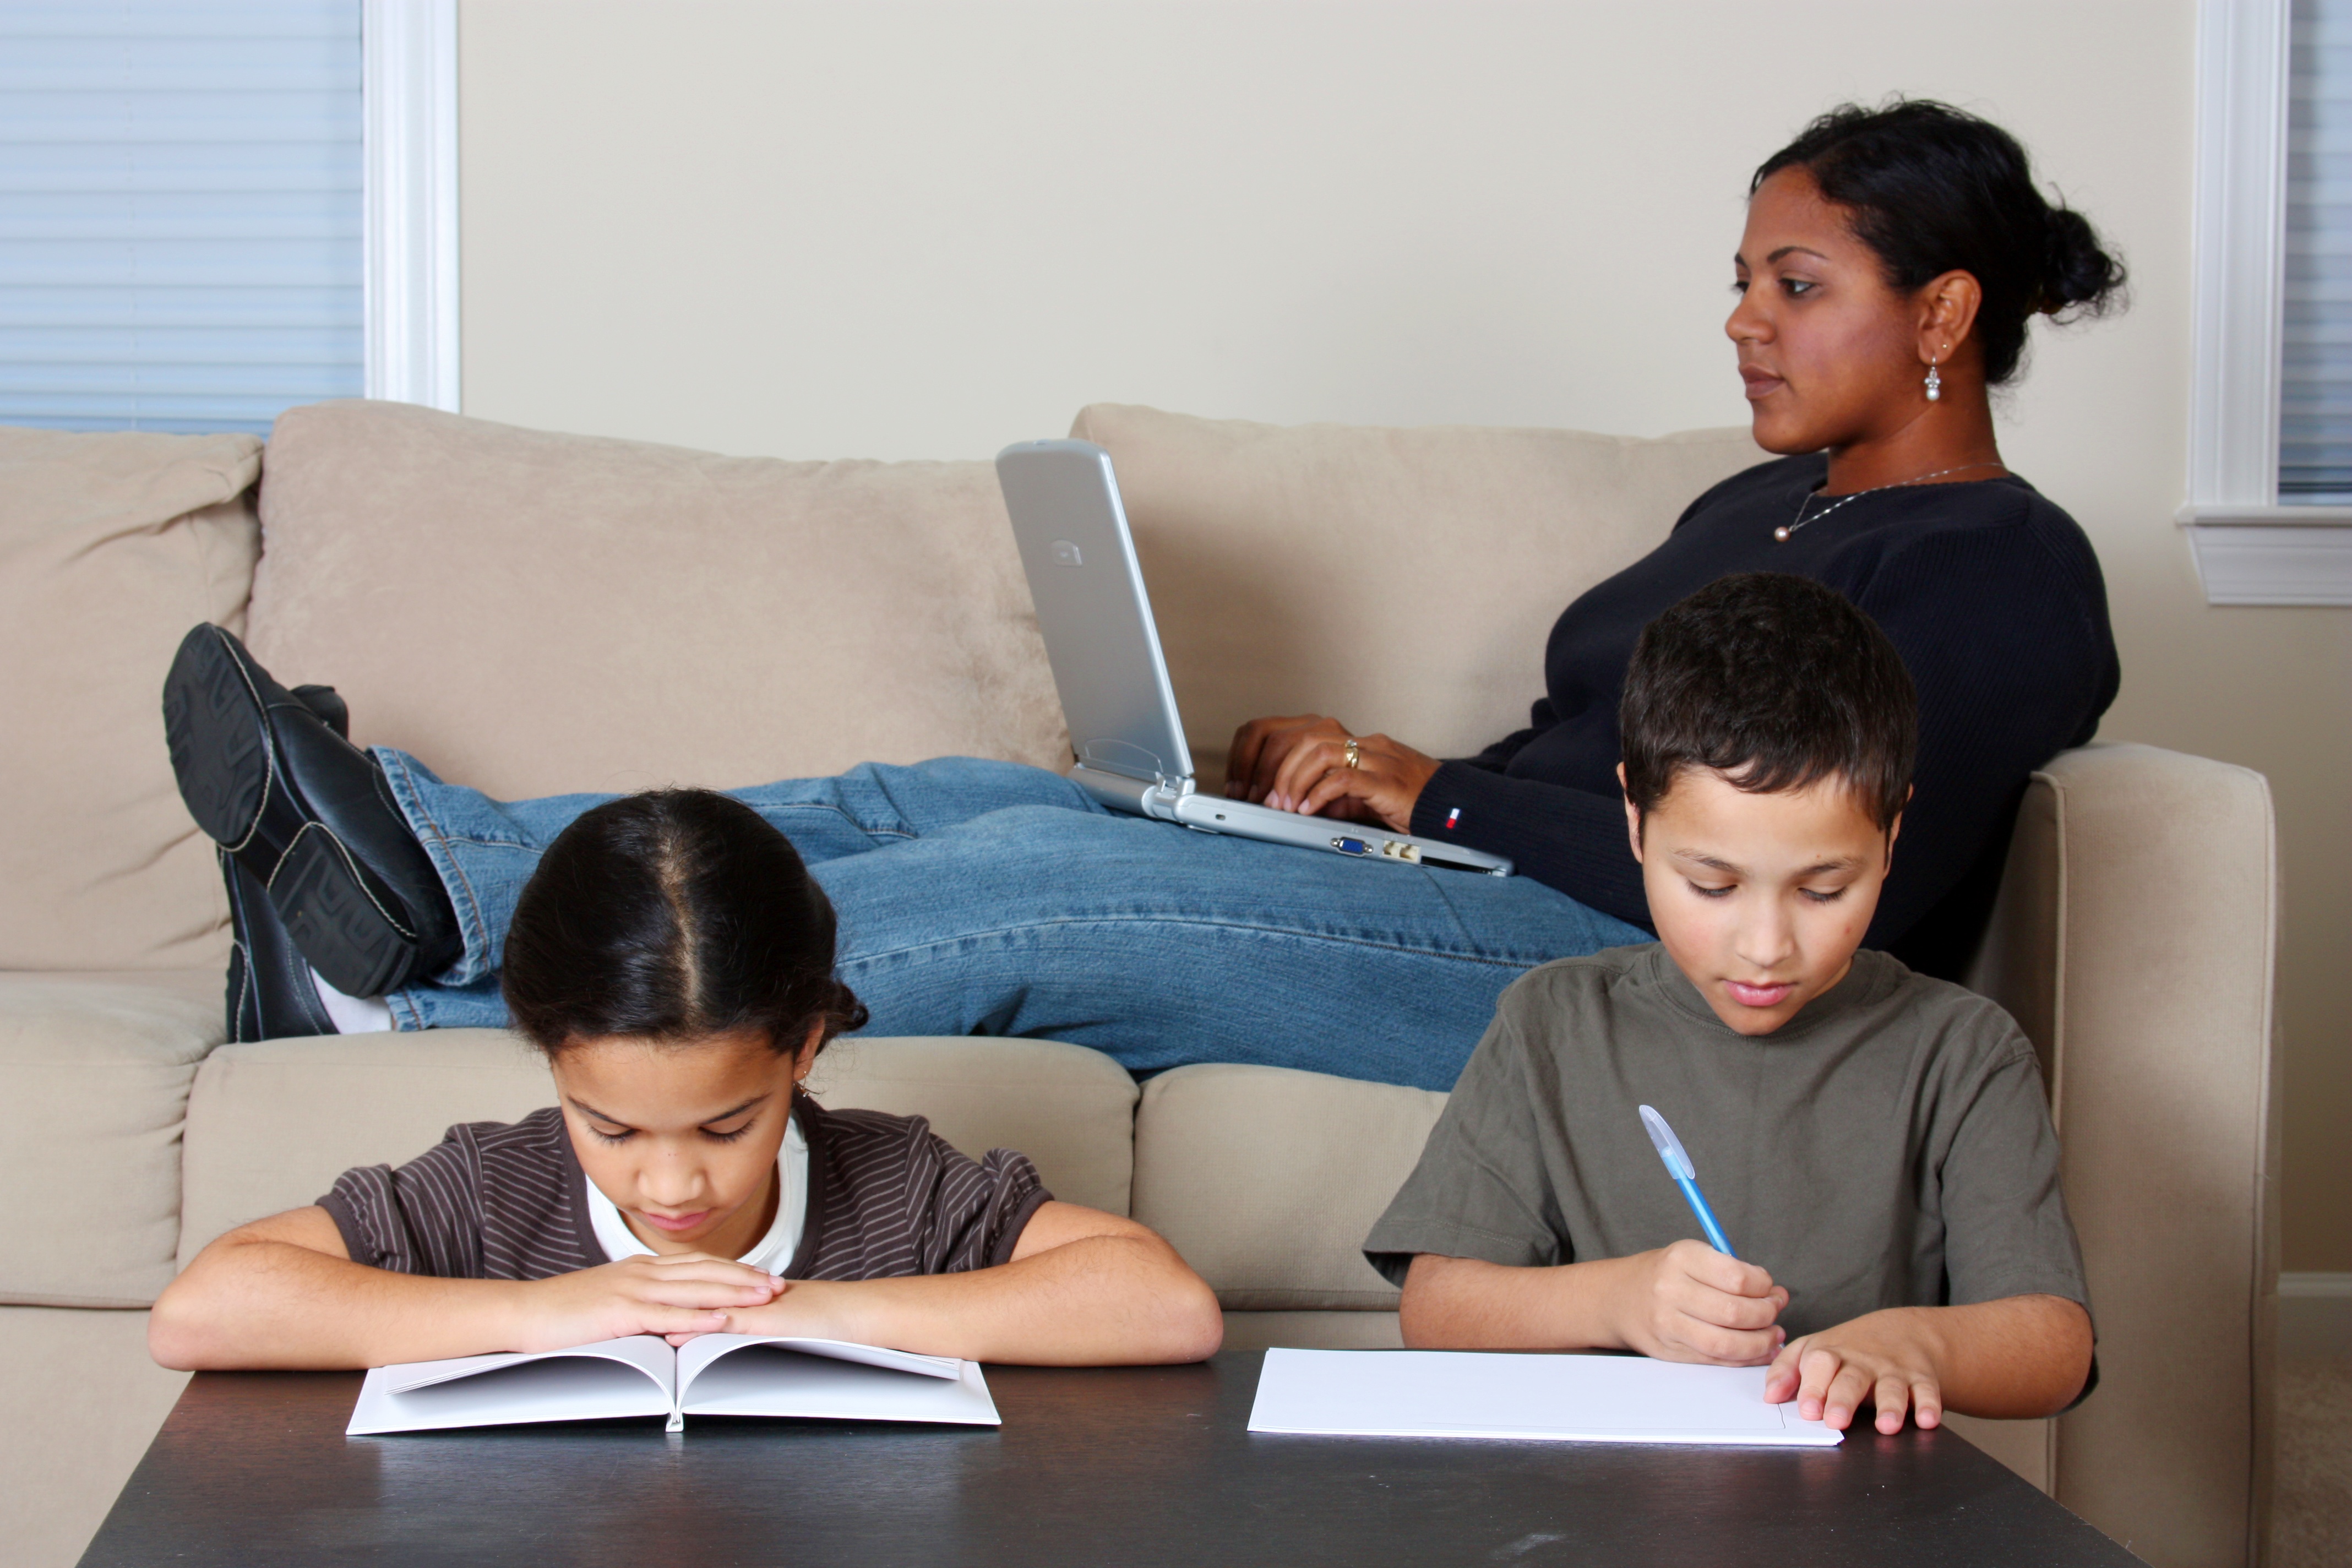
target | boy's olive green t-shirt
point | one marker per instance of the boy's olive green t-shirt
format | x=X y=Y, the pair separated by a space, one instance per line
x=1889 y=1146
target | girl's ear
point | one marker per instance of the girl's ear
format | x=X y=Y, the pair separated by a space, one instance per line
x=806 y=1057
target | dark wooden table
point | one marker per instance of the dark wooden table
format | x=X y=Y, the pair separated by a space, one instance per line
x=1134 y=1465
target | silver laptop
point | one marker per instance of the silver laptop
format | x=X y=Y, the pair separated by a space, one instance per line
x=1113 y=680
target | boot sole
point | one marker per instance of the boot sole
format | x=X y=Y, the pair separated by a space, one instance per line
x=218 y=737
x=338 y=924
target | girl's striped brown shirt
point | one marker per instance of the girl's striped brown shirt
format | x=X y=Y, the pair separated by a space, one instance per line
x=494 y=1200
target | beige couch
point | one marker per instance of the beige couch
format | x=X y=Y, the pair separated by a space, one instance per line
x=535 y=613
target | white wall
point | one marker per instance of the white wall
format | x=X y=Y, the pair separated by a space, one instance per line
x=925 y=230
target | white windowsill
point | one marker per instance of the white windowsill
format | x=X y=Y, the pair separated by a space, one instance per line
x=2212 y=514
x=2271 y=555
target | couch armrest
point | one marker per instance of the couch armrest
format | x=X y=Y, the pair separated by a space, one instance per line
x=94 y=1075
x=2135 y=940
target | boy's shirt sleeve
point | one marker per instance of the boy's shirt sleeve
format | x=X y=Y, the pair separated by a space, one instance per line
x=1481 y=1189
x=2006 y=1230
x=425 y=1217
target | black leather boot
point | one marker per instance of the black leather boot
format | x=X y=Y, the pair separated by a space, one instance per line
x=329 y=705
x=270 y=996
x=308 y=816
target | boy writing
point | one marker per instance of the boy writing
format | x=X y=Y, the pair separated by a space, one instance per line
x=1877 y=1143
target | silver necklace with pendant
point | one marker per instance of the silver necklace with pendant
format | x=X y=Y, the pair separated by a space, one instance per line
x=1780 y=535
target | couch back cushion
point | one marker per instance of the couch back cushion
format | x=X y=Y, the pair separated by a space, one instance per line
x=535 y=613
x=1403 y=580
x=270 y=1126
x=1267 y=1179
x=111 y=546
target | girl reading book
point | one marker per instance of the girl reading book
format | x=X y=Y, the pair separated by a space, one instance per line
x=675 y=960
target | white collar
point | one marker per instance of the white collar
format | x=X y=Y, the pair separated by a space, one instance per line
x=774 y=1252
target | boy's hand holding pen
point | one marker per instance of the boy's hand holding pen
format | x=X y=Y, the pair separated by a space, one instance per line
x=1707 y=1304
x=1690 y=1303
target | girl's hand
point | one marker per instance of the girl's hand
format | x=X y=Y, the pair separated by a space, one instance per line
x=1888 y=1358
x=678 y=1298
x=806 y=1308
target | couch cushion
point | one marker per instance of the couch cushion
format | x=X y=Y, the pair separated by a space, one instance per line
x=534 y=613
x=94 y=1074
x=1267 y=1179
x=1069 y=1109
x=1332 y=1331
x=1404 y=581
x=111 y=546
x=270 y=1126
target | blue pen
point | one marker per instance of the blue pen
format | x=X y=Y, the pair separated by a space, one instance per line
x=1678 y=1166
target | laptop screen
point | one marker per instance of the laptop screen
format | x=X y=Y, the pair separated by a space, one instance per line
x=1091 y=606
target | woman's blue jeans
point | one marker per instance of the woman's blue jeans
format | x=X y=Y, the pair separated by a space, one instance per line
x=985 y=898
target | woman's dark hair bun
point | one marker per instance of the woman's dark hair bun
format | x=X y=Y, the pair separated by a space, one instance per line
x=2080 y=271
x=1934 y=189
x=673 y=915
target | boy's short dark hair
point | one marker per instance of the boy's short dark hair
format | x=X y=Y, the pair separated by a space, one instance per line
x=1774 y=681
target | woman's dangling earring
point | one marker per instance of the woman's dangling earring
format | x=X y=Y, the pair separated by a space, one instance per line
x=1935 y=380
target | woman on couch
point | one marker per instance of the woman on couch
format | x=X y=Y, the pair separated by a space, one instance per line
x=1891 y=262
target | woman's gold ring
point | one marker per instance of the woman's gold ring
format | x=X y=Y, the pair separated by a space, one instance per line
x=1355 y=753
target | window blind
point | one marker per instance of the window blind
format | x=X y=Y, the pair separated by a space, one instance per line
x=180 y=211
x=2316 y=376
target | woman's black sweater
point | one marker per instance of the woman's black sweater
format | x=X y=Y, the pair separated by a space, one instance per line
x=1992 y=595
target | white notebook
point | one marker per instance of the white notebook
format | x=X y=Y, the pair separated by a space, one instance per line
x=1558 y=1398
x=714 y=1374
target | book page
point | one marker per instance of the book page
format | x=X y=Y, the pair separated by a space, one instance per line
x=757 y=1376
x=704 y=1349
x=649 y=1353
x=606 y=1379
x=1564 y=1398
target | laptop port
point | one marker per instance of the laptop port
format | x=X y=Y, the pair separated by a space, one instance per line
x=1351 y=847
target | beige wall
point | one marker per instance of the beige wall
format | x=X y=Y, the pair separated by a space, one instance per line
x=925 y=230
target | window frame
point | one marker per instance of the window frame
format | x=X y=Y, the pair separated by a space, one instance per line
x=2249 y=549
x=408 y=52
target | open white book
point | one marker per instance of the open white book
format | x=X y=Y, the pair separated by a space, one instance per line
x=714 y=1374
x=1561 y=1398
